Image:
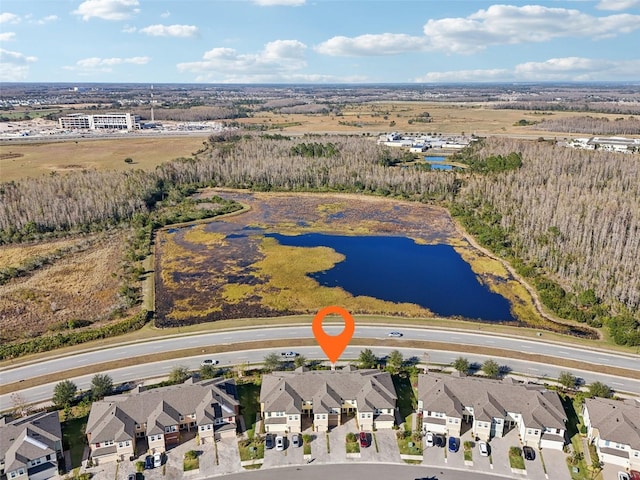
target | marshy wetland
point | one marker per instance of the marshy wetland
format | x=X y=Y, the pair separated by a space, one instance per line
x=294 y=253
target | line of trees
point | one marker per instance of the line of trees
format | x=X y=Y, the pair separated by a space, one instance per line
x=591 y=125
x=569 y=220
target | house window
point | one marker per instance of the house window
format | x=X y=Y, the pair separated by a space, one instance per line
x=120 y=444
x=528 y=431
x=13 y=474
x=21 y=471
x=171 y=428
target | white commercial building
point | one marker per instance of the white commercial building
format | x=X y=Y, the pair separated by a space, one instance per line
x=105 y=121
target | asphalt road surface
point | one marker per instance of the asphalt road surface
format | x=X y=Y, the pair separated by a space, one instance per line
x=356 y=472
x=43 y=393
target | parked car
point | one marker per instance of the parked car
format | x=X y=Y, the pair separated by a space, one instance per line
x=295 y=440
x=634 y=474
x=529 y=453
x=454 y=444
x=132 y=476
x=290 y=354
x=483 y=447
x=623 y=476
x=439 y=441
x=157 y=460
x=209 y=362
x=429 y=439
x=268 y=441
x=364 y=440
x=394 y=334
x=148 y=462
x=279 y=443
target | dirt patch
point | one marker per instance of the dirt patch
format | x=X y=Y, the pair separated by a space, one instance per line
x=9 y=156
x=80 y=287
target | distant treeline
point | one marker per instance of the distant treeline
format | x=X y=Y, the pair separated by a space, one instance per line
x=591 y=125
x=574 y=106
x=568 y=220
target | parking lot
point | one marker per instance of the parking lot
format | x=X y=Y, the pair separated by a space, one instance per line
x=498 y=460
x=222 y=458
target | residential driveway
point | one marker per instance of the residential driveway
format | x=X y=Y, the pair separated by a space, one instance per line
x=434 y=456
x=500 y=452
x=228 y=457
x=556 y=464
x=387 y=446
x=287 y=457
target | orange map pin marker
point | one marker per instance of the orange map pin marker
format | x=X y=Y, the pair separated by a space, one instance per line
x=333 y=345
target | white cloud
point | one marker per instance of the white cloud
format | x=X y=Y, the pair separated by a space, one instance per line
x=14 y=66
x=284 y=3
x=47 y=19
x=570 y=69
x=507 y=25
x=618 y=4
x=107 y=9
x=579 y=69
x=497 y=74
x=7 y=36
x=166 y=14
x=170 y=30
x=278 y=59
x=97 y=64
x=7 y=17
x=369 y=45
x=129 y=29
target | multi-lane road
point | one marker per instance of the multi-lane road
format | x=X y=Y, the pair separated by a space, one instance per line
x=455 y=338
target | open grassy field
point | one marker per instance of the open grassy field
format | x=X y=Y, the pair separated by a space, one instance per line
x=379 y=117
x=82 y=286
x=29 y=160
x=32 y=160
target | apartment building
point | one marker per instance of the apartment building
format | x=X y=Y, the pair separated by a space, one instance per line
x=614 y=428
x=325 y=397
x=105 y=121
x=491 y=408
x=30 y=447
x=159 y=415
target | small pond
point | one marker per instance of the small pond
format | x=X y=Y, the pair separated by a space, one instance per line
x=397 y=269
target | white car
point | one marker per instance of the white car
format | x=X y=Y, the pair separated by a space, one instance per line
x=279 y=443
x=623 y=476
x=429 y=439
x=484 y=449
x=290 y=354
x=394 y=334
x=157 y=460
x=209 y=362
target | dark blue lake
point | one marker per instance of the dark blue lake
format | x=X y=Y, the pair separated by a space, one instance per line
x=397 y=269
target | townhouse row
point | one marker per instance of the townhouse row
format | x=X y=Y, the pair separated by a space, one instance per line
x=152 y=420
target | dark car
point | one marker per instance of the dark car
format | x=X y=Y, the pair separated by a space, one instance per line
x=364 y=440
x=438 y=441
x=268 y=441
x=148 y=462
x=529 y=453
x=454 y=444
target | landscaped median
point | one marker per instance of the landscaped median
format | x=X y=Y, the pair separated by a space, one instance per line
x=516 y=461
x=251 y=451
x=468 y=452
x=410 y=446
x=352 y=446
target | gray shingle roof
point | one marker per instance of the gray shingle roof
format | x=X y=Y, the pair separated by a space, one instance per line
x=285 y=391
x=114 y=418
x=491 y=399
x=29 y=438
x=615 y=420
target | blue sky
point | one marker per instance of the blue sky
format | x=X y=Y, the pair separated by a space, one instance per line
x=318 y=41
